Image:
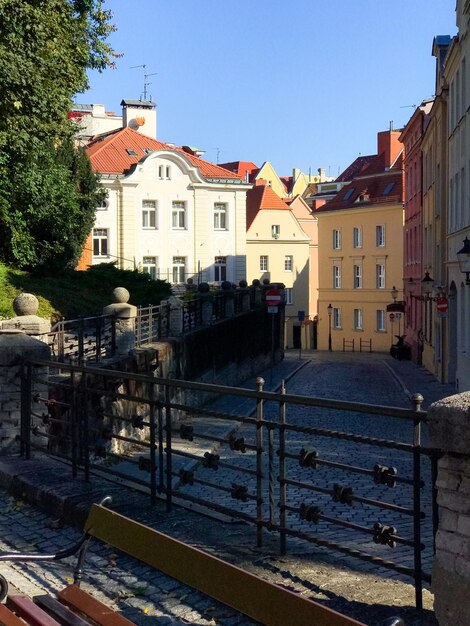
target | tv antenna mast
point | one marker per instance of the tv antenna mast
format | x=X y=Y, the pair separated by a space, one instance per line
x=146 y=77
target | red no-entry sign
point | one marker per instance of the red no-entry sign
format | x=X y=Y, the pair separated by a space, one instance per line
x=442 y=305
x=273 y=297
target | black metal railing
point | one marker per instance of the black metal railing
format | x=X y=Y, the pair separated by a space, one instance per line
x=83 y=339
x=350 y=477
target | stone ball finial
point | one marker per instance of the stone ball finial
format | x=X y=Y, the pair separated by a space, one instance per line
x=266 y=281
x=121 y=295
x=226 y=285
x=203 y=288
x=243 y=284
x=255 y=282
x=25 y=304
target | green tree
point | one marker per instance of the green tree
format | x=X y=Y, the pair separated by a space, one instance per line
x=48 y=193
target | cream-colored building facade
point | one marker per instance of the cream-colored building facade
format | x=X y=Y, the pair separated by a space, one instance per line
x=277 y=250
x=168 y=213
x=457 y=77
x=309 y=224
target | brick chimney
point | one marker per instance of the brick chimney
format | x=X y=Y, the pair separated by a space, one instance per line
x=389 y=145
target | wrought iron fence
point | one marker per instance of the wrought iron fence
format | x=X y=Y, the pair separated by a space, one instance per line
x=356 y=479
x=84 y=339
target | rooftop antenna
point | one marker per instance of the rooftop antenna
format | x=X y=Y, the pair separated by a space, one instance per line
x=391 y=125
x=408 y=106
x=218 y=154
x=146 y=76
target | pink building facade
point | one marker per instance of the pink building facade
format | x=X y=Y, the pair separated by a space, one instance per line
x=411 y=138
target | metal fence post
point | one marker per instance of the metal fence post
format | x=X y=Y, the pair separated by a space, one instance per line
x=417 y=400
x=153 y=465
x=169 y=469
x=282 y=470
x=259 y=464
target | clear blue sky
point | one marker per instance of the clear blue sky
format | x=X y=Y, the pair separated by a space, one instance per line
x=300 y=83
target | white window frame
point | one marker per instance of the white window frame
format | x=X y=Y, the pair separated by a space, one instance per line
x=160 y=172
x=357 y=237
x=357 y=277
x=264 y=263
x=288 y=263
x=288 y=295
x=220 y=215
x=168 y=172
x=275 y=231
x=380 y=321
x=220 y=269
x=178 y=215
x=336 y=239
x=336 y=277
x=380 y=276
x=178 y=270
x=358 y=319
x=100 y=242
x=380 y=236
x=336 y=318
x=149 y=214
x=150 y=266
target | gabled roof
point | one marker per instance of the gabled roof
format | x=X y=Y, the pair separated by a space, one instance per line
x=376 y=185
x=356 y=167
x=262 y=198
x=241 y=168
x=117 y=151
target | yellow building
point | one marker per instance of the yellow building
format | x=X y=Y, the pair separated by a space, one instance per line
x=360 y=234
x=277 y=250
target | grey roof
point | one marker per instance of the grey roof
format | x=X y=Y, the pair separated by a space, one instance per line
x=143 y=104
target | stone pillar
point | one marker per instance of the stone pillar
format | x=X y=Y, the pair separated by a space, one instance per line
x=175 y=320
x=26 y=306
x=258 y=298
x=125 y=315
x=449 y=421
x=245 y=295
x=229 y=294
x=207 y=307
x=15 y=345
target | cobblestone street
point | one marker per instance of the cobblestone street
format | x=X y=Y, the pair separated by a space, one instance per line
x=358 y=589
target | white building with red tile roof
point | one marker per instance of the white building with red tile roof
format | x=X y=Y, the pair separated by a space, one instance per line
x=168 y=212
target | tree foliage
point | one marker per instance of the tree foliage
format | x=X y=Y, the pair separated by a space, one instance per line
x=48 y=193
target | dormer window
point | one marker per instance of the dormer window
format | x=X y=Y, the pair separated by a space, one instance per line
x=363 y=197
x=388 y=189
x=275 y=231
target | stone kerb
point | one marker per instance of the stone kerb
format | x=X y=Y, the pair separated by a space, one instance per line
x=449 y=430
x=15 y=346
x=125 y=315
x=26 y=306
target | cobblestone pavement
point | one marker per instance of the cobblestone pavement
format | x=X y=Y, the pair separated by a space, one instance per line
x=353 y=587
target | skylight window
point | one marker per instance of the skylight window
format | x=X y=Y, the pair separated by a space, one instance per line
x=147 y=150
x=131 y=152
x=348 y=194
x=388 y=189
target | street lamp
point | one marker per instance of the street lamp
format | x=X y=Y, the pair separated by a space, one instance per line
x=427 y=285
x=394 y=293
x=330 y=311
x=463 y=256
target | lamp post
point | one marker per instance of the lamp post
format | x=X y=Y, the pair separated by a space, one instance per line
x=463 y=256
x=330 y=311
x=426 y=285
x=394 y=293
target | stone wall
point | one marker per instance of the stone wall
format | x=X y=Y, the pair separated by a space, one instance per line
x=449 y=422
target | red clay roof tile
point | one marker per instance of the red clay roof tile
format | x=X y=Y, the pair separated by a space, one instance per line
x=113 y=153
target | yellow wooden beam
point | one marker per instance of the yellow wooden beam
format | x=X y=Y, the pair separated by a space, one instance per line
x=249 y=594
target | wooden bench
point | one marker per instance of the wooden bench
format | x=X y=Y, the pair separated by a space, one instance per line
x=245 y=592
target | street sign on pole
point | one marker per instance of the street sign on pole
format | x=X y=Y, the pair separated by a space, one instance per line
x=273 y=297
x=392 y=316
x=442 y=306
